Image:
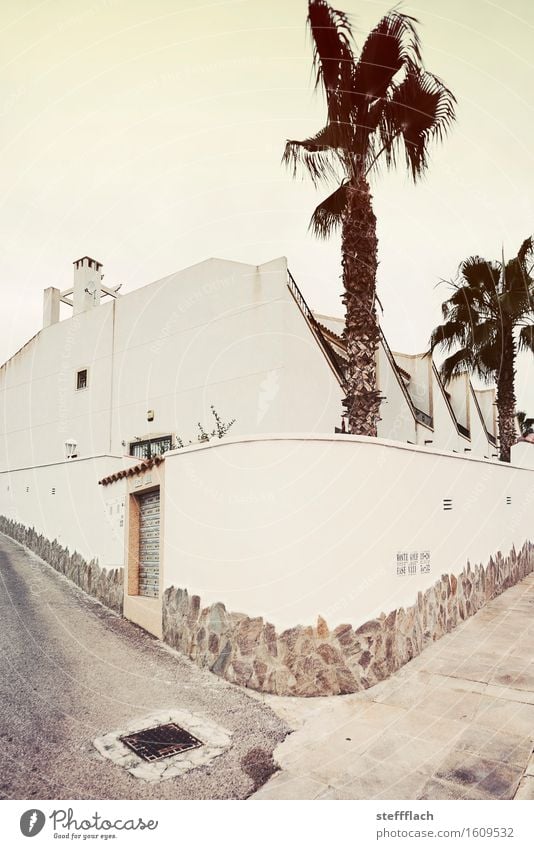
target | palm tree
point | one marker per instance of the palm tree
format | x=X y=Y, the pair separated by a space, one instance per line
x=380 y=105
x=525 y=422
x=487 y=319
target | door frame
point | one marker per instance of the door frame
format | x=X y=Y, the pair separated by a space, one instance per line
x=145 y=611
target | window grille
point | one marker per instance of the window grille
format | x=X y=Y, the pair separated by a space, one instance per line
x=147 y=448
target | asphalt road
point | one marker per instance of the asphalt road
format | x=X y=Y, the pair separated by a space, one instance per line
x=71 y=670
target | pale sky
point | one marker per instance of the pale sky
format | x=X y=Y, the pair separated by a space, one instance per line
x=149 y=136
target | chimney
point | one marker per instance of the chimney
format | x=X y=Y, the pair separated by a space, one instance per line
x=51 y=306
x=87 y=284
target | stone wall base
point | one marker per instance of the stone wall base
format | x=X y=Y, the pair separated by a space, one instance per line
x=317 y=661
x=105 y=584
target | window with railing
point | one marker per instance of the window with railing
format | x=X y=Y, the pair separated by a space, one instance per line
x=147 y=448
x=423 y=417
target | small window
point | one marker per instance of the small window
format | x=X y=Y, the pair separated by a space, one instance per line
x=81 y=379
x=147 y=448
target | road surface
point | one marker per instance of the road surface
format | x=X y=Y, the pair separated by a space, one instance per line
x=71 y=670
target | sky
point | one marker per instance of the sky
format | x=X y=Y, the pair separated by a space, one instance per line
x=149 y=135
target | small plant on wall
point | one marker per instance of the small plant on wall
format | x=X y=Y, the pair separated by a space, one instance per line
x=220 y=429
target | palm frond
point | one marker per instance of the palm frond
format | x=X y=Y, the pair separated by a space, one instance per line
x=526 y=338
x=517 y=275
x=463 y=307
x=481 y=280
x=329 y=213
x=317 y=155
x=418 y=110
x=480 y=272
x=391 y=45
x=526 y=251
x=488 y=360
x=332 y=54
x=447 y=335
x=516 y=304
x=484 y=334
x=456 y=364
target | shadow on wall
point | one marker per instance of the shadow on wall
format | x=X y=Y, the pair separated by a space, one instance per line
x=105 y=584
x=315 y=661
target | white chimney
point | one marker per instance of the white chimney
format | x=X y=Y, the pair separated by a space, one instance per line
x=87 y=284
x=51 y=306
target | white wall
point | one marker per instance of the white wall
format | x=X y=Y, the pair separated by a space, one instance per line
x=397 y=419
x=486 y=402
x=226 y=334
x=419 y=367
x=220 y=333
x=39 y=405
x=480 y=444
x=81 y=515
x=523 y=455
x=458 y=389
x=289 y=528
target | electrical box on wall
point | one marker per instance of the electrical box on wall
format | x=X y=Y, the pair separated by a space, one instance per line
x=150 y=415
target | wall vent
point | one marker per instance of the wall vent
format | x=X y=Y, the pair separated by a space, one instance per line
x=447 y=503
x=53 y=490
x=508 y=499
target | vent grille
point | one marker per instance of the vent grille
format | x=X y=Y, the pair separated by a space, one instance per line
x=447 y=503
x=508 y=499
x=153 y=744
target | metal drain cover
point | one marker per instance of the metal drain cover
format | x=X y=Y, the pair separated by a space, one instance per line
x=162 y=741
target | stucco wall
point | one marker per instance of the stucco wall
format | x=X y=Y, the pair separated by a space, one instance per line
x=486 y=403
x=479 y=440
x=396 y=417
x=458 y=389
x=314 y=566
x=39 y=405
x=221 y=333
x=291 y=528
x=287 y=561
x=63 y=502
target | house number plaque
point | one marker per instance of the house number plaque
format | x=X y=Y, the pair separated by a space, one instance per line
x=413 y=562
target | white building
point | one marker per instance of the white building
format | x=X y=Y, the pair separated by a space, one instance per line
x=147 y=366
x=287 y=518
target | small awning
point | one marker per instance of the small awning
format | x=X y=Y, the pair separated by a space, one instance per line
x=138 y=469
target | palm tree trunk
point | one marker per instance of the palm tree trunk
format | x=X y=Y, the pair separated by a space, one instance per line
x=359 y=260
x=506 y=395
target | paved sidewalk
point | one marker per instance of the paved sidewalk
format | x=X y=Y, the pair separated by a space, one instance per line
x=455 y=723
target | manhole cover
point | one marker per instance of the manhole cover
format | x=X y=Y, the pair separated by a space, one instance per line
x=153 y=744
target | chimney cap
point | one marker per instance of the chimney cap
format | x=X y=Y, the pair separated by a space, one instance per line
x=90 y=262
